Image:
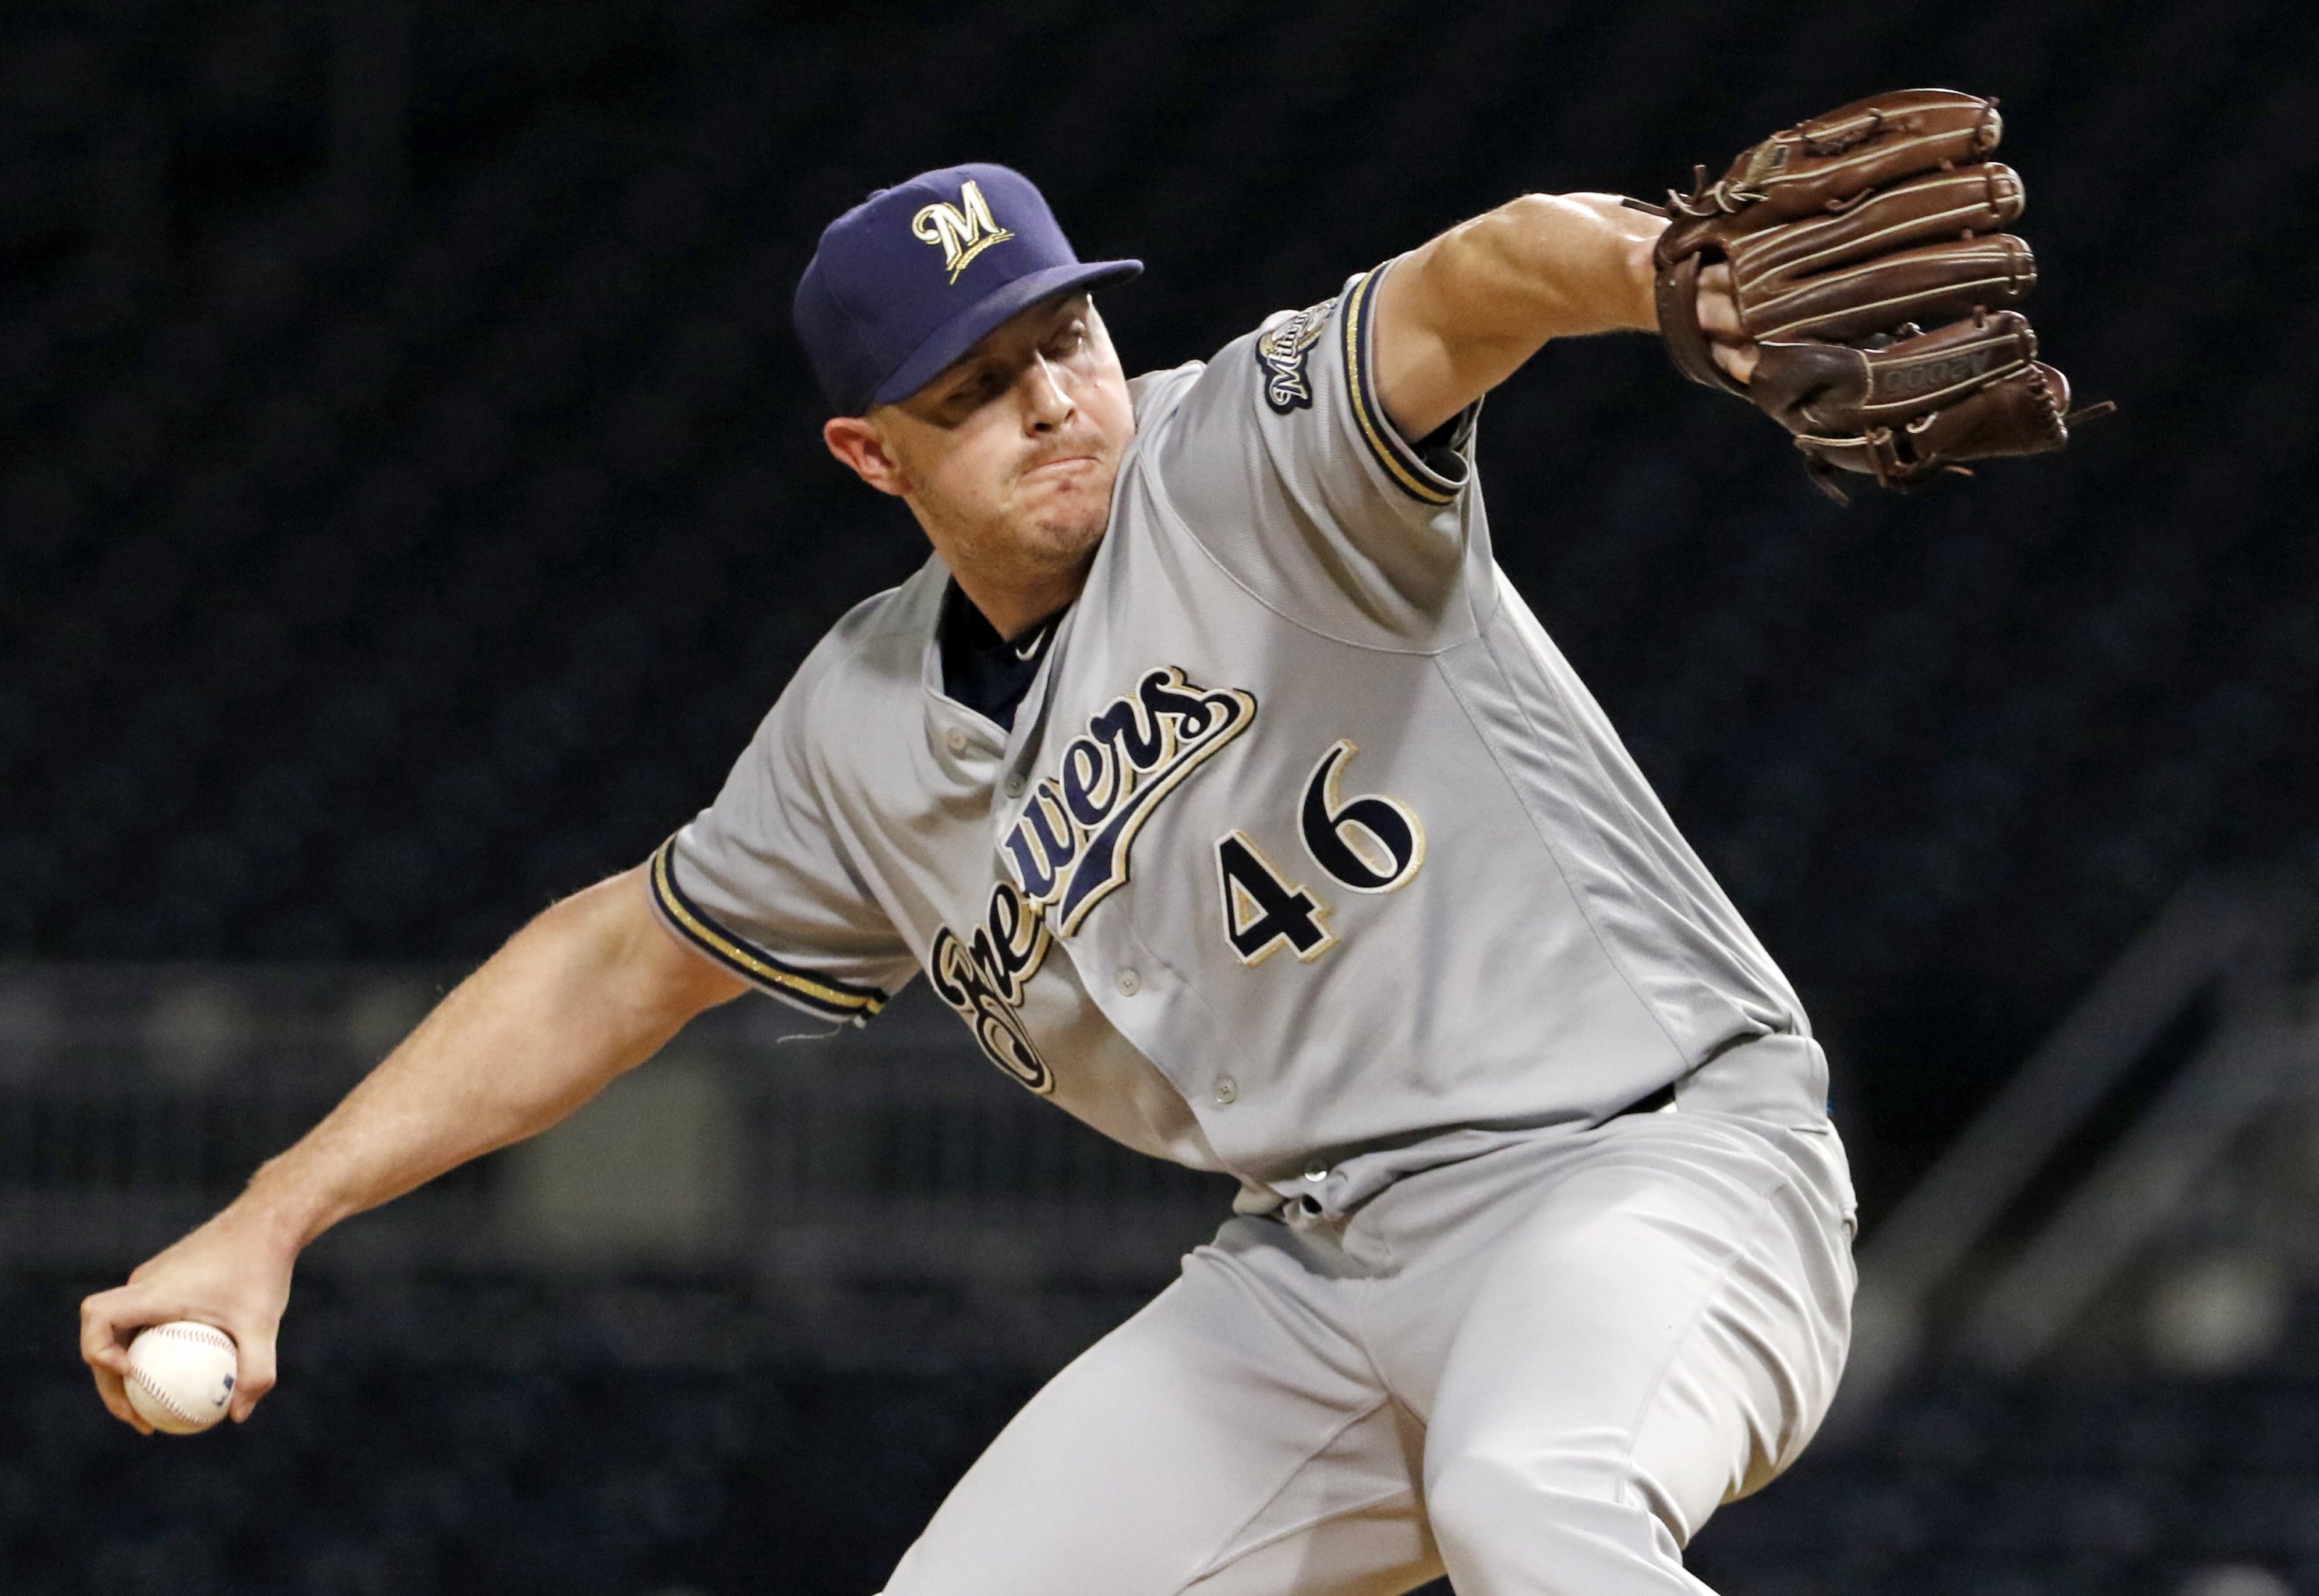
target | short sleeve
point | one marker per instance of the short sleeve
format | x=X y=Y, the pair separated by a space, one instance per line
x=759 y=882
x=1278 y=456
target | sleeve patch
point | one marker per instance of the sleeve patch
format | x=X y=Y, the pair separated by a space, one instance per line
x=1408 y=470
x=1282 y=352
x=817 y=994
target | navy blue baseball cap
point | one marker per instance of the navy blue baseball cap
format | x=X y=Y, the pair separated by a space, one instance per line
x=914 y=276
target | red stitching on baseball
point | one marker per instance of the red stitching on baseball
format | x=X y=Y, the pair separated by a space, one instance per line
x=144 y=1384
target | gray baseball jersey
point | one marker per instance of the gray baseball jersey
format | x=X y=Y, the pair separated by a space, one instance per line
x=1308 y=857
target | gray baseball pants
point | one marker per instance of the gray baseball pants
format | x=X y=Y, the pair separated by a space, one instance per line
x=1539 y=1369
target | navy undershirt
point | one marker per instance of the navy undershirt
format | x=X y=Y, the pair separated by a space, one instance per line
x=986 y=672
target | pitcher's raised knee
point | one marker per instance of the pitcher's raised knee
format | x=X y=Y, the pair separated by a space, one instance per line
x=1533 y=1523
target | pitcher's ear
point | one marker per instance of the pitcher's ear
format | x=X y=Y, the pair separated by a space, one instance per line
x=861 y=444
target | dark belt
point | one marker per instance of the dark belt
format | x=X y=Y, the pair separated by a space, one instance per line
x=1652 y=1104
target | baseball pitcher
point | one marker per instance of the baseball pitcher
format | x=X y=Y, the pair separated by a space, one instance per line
x=1214 y=774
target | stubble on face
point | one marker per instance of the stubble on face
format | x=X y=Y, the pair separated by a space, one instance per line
x=1042 y=513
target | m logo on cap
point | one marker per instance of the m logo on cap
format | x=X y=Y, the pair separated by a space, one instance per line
x=963 y=230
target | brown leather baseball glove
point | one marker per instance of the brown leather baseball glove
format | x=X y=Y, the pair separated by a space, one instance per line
x=1870 y=267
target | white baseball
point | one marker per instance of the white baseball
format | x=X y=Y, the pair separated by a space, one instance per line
x=181 y=1375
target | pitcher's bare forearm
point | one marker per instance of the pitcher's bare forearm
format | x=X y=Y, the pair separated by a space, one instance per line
x=1460 y=314
x=591 y=989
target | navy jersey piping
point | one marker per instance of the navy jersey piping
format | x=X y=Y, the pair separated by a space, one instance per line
x=817 y=994
x=1409 y=470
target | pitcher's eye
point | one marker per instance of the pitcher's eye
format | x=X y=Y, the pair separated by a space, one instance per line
x=972 y=393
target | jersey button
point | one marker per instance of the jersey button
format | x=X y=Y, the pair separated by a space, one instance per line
x=1015 y=784
x=1130 y=983
x=1227 y=1089
x=956 y=738
x=1316 y=1171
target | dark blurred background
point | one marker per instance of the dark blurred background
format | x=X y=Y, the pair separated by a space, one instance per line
x=410 y=497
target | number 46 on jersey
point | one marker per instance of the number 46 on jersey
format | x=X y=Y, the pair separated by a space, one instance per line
x=1369 y=843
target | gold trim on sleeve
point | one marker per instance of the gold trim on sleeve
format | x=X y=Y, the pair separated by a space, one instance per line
x=845 y=1001
x=1411 y=475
